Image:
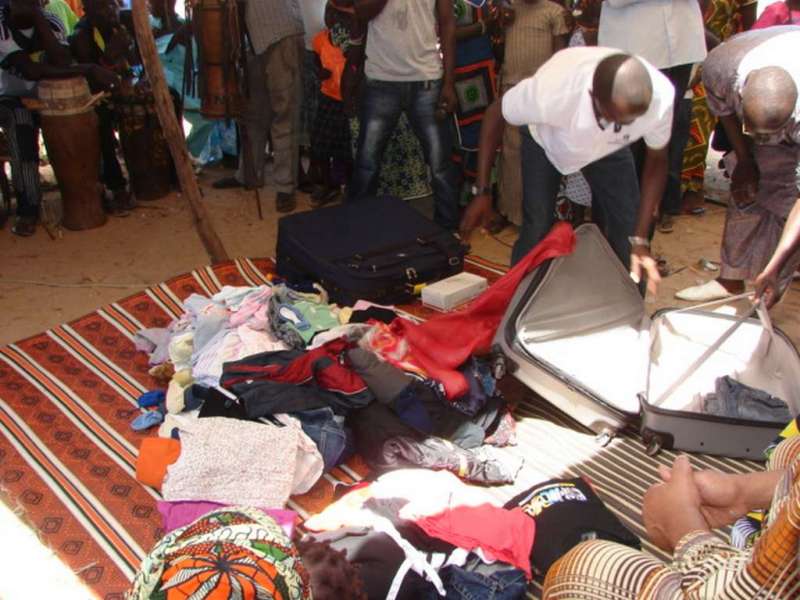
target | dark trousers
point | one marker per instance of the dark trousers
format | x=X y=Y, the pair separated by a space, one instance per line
x=22 y=133
x=671 y=200
x=615 y=192
x=110 y=171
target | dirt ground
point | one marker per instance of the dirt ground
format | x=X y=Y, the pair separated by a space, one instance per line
x=44 y=282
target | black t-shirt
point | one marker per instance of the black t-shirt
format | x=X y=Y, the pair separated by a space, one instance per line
x=567 y=512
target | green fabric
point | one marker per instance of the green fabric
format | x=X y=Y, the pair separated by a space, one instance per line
x=62 y=10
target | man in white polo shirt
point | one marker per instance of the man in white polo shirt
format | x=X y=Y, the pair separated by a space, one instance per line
x=580 y=112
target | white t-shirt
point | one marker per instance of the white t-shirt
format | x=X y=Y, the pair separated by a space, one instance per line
x=666 y=33
x=403 y=43
x=556 y=106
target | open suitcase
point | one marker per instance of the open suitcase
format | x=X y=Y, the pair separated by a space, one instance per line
x=577 y=333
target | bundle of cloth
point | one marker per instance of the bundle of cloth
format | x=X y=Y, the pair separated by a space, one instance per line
x=268 y=387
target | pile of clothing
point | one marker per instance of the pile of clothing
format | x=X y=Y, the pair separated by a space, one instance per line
x=267 y=388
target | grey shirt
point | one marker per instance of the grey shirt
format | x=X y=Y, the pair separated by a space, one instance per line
x=269 y=21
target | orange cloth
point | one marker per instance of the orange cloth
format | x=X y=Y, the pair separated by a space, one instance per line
x=332 y=58
x=155 y=455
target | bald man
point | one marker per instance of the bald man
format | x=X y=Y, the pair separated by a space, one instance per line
x=753 y=86
x=580 y=112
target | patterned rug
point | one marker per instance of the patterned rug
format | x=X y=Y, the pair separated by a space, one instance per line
x=68 y=454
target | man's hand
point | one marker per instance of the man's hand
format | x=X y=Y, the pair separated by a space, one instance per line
x=671 y=509
x=721 y=498
x=744 y=182
x=447 y=98
x=767 y=287
x=102 y=78
x=641 y=261
x=478 y=214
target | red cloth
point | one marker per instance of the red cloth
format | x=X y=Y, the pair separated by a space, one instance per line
x=442 y=344
x=504 y=535
x=320 y=365
x=777 y=14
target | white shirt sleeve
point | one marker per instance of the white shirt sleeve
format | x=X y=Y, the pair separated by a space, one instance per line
x=521 y=104
x=659 y=136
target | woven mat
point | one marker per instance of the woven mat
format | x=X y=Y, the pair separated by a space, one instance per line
x=68 y=454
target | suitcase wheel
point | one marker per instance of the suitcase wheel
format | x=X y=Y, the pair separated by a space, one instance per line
x=654 y=442
x=604 y=438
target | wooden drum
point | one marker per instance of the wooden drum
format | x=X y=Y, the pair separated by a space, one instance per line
x=150 y=167
x=72 y=138
x=216 y=25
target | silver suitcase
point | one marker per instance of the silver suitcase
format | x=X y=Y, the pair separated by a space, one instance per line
x=578 y=334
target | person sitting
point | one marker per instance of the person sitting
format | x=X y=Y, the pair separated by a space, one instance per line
x=679 y=514
x=32 y=47
x=580 y=112
x=101 y=39
x=752 y=85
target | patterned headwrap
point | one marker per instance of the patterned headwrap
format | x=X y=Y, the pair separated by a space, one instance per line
x=229 y=553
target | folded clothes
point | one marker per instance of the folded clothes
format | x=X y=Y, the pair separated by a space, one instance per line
x=734 y=399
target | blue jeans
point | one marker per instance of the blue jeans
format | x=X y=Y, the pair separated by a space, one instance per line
x=382 y=103
x=332 y=437
x=615 y=193
x=477 y=581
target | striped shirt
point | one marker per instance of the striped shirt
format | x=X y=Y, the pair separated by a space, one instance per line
x=269 y=21
x=703 y=567
x=529 y=39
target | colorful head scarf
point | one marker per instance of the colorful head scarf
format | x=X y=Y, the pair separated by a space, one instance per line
x=229 y=553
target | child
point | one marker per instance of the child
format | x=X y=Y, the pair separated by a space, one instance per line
x=330 y=134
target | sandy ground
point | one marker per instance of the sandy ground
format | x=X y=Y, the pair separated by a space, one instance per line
x=44 y=282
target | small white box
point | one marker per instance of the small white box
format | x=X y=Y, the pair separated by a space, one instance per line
x=449 y=293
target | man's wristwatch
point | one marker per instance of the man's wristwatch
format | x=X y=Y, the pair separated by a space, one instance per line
x=635 y=240
x=480 y=191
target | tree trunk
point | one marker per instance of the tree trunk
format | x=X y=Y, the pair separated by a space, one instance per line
x=173 y=132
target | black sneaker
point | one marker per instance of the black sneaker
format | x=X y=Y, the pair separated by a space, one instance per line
x=285 y=202
x=24 y=226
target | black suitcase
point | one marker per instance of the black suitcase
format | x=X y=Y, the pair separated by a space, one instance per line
x=377 y=249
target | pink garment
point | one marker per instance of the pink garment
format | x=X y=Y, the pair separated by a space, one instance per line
x=441 y=344
x=178 y=514
x=504 y=535
x=253 y=310
x=777 y=14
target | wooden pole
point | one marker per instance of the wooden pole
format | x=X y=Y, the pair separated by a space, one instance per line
x=173 y=132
